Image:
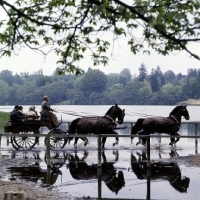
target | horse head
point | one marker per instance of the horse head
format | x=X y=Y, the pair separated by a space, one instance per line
x=185 y=113
x=116 y=183
x=116 y=112
x=120 y=114
x=180 y=111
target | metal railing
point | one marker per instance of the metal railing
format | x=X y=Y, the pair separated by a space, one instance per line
x=99 y=137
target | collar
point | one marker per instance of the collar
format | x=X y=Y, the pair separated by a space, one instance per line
x=172 y=116
x=111 y=119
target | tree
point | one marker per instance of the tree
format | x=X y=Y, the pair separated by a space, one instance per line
x=142 y=73
x=69 y=28
x=169 y=76
x=112 y=79
x=4 y=88
x=154 y=81
x=126 y=73
x=7 y=76
x=93 y=81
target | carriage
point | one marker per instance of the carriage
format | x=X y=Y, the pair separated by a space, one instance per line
x=24 y=138
x=26 y=132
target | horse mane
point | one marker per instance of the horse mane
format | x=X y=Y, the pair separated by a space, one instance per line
x=109 y=110
x=176 y=109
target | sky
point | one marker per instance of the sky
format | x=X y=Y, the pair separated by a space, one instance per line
x=179 y=62
x=29 y=61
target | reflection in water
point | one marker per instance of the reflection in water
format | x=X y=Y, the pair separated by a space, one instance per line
x=169 y=171
x=80 y=170
x=31 y=170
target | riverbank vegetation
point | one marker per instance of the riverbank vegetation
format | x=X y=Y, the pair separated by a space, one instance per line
x=96 y=88
x=4 y=117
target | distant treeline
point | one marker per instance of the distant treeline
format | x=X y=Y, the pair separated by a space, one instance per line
x=96 y=88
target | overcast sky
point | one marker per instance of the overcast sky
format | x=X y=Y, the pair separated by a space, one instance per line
x=29 y=61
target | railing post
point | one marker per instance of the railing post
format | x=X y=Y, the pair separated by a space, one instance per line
x=196 y=139
x=7 y=140
x=48 y=175
x=160 y=138
x=148 y=169
x=99 y=170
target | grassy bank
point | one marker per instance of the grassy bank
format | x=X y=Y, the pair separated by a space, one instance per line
x=4 y=117
x=194 y=102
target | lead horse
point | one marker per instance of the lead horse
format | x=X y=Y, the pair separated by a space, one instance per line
x=97 y=125
x=170 y=125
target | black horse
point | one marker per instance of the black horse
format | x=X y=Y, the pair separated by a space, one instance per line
x=169 y=171
x=97 y=125
x=80 y=170
x=170 y=125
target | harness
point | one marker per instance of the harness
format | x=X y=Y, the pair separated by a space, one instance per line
x=174 y=118
x=112 y=121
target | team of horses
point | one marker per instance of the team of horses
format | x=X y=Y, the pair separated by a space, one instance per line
x=144 y=126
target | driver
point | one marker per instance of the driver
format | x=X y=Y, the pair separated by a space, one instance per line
x=47 y=110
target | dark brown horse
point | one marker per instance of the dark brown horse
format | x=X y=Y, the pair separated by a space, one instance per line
x=97 y=125
x=169 y=125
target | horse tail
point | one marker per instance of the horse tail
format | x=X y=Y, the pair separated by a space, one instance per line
x=137 y=127
x=73 y=128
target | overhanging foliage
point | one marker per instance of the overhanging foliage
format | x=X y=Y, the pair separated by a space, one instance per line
x=69 y=28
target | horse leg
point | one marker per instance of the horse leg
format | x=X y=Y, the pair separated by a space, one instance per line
x=174 y=141
x=103 y=141
x=75 y=142
x=116 y=155
x=117 y=139
x=177 y=139
x=85 y=140
x=142 y=140
x=137 y=127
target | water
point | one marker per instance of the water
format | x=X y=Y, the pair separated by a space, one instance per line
x=70 y=112
x=79 y=172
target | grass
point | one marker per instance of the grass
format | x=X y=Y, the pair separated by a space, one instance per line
x=195 y=102
x=4 y=117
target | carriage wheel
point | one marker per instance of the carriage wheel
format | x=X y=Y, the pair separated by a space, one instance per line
x=23 y=142
x=56 y=143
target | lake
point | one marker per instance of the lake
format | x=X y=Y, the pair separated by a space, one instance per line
x=170 y=168
x=70 y=112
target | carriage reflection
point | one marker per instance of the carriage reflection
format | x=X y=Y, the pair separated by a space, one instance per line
x=30 y=170
x=81 y=170
x=169 y=171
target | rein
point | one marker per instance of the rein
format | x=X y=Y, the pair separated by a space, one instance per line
x=85 y=114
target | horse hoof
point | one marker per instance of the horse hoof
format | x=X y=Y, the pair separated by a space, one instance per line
x=113 y=144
